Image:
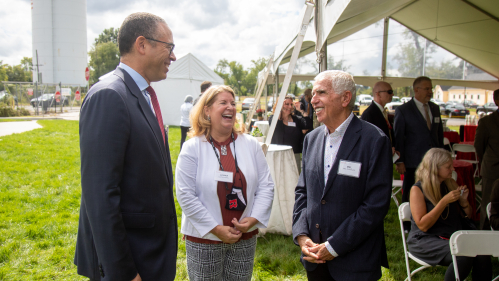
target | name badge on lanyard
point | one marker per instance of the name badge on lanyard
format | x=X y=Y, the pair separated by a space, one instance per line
x=292 y=124
x=224 y=176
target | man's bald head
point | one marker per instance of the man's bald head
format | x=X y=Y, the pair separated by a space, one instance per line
x=382 y=93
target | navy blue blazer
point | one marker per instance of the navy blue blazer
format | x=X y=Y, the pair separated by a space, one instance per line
x=347 y=211
x=127 y=223
x=373 y=115
x=412 y=136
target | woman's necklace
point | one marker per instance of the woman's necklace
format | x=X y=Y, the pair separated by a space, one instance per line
x=223 y=148
x=447 y=213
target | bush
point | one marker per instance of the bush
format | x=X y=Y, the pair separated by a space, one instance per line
x=7 y=111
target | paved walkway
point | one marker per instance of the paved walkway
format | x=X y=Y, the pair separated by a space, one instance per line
x=8 y=128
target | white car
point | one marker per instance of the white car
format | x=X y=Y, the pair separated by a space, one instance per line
x=391 y=106
x=365 y=100
x=405 y=99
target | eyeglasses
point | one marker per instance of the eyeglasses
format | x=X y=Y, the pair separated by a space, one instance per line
x=390 y=92
x=171 y=46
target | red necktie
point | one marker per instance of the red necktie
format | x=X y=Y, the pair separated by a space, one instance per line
x=155 y=105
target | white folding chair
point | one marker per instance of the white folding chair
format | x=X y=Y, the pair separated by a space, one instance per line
x=489 y=206
x=447 y=142
x=396 y=188
x=405 y=215
x=468 y=148
x=470 y=243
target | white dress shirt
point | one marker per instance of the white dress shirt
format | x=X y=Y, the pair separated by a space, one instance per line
x=422 y=110
x=185 y=110
x=333 y=143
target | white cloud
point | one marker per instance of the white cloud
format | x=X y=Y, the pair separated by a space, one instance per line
x=15 y=31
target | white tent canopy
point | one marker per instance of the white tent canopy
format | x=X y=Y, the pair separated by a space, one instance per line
x=468 y=29
x=184 y=78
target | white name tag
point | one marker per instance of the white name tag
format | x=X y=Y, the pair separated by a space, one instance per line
x=292 y=124
x=348 y=168
x=437 y=120
x=223 y=176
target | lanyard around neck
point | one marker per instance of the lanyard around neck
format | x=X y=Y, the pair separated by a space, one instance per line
x=218 y=157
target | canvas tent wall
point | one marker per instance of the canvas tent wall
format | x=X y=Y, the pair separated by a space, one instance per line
x=467 y=28
x=184 y=78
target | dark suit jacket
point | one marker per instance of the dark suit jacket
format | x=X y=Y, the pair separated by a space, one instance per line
x=487 y=145
x=412 y=137
x=373 y=115
x=127 y=215
x=347 y=211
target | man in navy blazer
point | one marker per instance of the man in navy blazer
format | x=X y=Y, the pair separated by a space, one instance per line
x=418 y=127
x=343 y=192
x=128 y=225
x=376 y=114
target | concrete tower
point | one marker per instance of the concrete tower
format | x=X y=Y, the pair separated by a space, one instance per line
x=59 y=29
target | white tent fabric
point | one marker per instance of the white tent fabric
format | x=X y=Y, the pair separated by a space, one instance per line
x=184 y=78
x=467 y=28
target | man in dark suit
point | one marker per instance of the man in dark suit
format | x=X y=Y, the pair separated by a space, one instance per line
x=487 y=150
x=343 y=192
x=128 y=226
x=418 y=127
x=377 y=114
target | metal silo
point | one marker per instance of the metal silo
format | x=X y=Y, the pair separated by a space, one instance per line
x=59 y=29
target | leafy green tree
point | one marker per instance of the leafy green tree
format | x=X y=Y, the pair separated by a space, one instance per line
x=108 y=35
x=251 y=80
x=104 y=57
x=233 y=74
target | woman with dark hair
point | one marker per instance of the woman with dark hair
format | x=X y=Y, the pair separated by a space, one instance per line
x=290 y=129
x=306 y=109
x=225 y=190
x=437 y=205
x=185 y=124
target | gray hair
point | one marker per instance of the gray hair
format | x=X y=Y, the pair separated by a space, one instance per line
x=188 y=98
x=340 y=83
x=135 y=25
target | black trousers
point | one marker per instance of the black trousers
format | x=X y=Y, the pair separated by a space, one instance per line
x=482 y=267
x=183 y=135
x=321 y=273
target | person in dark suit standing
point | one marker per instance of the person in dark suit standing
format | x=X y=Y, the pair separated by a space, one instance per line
x=343 y=192
x=377 y=114
x=128 y=225
x=418 y=127
x=487 y=149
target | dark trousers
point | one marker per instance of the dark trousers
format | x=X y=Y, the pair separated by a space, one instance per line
x=183 y=135
x=321 y=273
x=482 y=267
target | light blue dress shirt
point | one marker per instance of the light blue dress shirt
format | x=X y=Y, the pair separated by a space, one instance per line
x=140 y=81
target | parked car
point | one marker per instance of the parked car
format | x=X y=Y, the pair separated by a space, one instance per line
x=405 y=99
x=470 y=104
x=395 y=99
x=49 y=99
x=365 y=100
x=457 y=109
x=391 y=106
x=248 y=103
x=488 y=107
x=451 y=102
x=438 y=102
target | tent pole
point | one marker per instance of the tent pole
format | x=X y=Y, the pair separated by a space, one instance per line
x=385 y=48
x=287 y=79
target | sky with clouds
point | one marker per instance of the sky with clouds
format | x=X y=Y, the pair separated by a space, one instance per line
x=236 y=30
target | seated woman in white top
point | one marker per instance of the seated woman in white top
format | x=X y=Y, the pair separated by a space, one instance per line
x=225 y=190
x=185 y=124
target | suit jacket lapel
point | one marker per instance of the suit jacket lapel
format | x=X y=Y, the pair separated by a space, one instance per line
x=348 y=142
x=146 y=110
x=435 y=112
x=319 y=163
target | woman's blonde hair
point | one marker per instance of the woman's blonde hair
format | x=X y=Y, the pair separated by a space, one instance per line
x=427 y=173
x=292 y=98
x=200 y=125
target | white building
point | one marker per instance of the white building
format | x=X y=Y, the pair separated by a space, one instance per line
x=59 y=30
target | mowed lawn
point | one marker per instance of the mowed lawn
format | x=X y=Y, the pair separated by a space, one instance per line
x=40 y=198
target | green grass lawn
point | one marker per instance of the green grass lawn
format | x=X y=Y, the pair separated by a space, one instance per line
x=40 y=199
